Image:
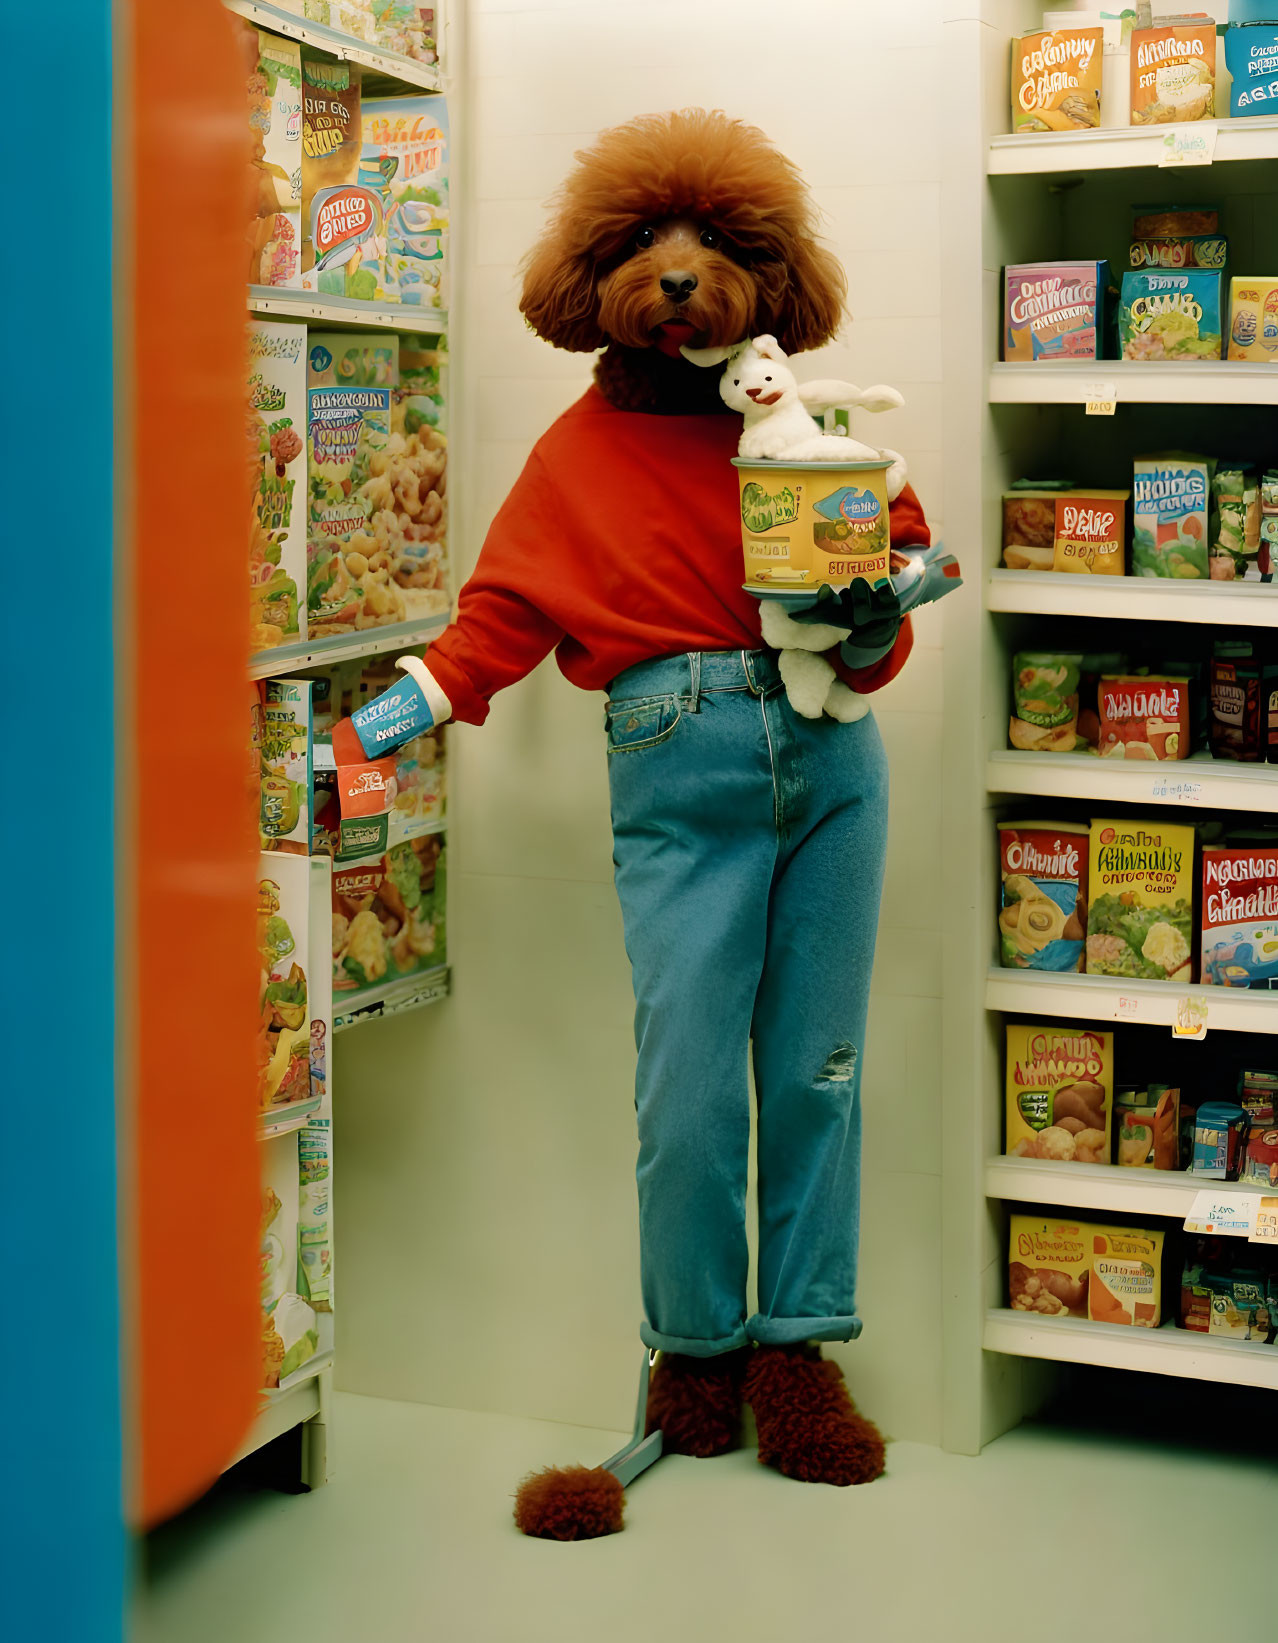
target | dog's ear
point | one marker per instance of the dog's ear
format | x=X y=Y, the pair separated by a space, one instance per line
x=814 y=303
x=558 y=298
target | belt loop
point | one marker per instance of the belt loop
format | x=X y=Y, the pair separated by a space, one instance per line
x=694 y=681
x=747 y=662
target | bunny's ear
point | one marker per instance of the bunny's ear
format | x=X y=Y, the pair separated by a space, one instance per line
x=769 y=348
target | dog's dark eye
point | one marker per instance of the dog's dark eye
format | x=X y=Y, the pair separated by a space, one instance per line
x=645 y=239
x=711 y=238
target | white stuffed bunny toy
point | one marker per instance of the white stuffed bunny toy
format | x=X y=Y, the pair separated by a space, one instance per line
x=778 y=413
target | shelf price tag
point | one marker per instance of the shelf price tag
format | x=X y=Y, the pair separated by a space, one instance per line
x=1189 y=145
x=1191 y=1018
x=1100 y=398
x=1128 y=1008
x=1176 y=792
x=1265 y=1230
x=1228 y=1214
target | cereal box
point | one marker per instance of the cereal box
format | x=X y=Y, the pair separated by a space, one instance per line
x=1173 y=73
x=321 y=979
x=284 y=808
x=348 y=439
x=1170 y=315
x=1171 y=500
x=351 y=359
x=275 y=123
x=1090 y=532
x=289 y=1336
x=1143 y=717
x=1253 y=315
x=1240 y=916
x=275 y=419
x=1140 y=911
x=1056 y=80
x=1125 y=1285
x=1054 y=310
x=342 y=226
x=1042 y=917
x=389 y=916
x=1060 y=1089
x=404 y=160
x=1048 y=1266
x=1251 y=55
x=284 y=1026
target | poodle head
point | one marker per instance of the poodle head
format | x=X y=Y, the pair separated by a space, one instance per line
x=684 y=228
x=758 y=377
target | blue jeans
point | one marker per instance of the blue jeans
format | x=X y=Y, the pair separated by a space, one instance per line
x=749 y=849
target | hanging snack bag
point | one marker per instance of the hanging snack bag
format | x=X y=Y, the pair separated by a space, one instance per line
x=1174 y=73
x=1240 y=918
x=1170 y=315
x=275 y=163
x=275 y=434
x=1253 y=316
x=1060 y=1086
x=1054 y=310
x=1143 y=717
x=1056 y=80
x=1235 y=547
x=1171 y=500
x=1091 y=532
x=1043 y=899
x=1126 y=1280
x=1141 y=890
x=1236 y=727
x=1045 y=701
x=1048 y=1266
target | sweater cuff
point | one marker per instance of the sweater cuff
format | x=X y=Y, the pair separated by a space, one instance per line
x=465 y=704
x=864 y=680
x=441 y=709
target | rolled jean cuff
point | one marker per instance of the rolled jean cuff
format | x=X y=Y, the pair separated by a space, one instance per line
x=787 y=1331
x=692 y=1348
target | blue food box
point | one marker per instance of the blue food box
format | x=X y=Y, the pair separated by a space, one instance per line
x=1251 y=55
x=1219 y=1132
x=1171 y=314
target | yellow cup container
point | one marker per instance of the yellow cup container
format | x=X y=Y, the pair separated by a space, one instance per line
x=805 y=525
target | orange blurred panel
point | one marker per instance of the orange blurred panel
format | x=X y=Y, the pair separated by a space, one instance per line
x=194 y=1177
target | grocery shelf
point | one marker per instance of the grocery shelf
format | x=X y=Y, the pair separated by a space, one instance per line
x=280 y=1120
x=1100 y=1186
x=1165 y=1351
x=1201 y=781
x=386 y=73
x=345 y=647
x=344 y=313
x=392 y=998
x=1133 y=598
x=1123 y=146
x=1144 y=1003
x=1164 y=382
x=280 y=1412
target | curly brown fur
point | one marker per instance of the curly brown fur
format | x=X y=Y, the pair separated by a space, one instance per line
x=570 y=1503
x=752 y=252
x=808 y=1426
x=697 y=1403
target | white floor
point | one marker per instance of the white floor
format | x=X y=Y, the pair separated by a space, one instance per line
x=1046 y=1537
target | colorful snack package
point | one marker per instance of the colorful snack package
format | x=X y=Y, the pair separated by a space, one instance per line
x=1042 y=917
x=1220 y=1134
x=1140 y=912
x=1143 y=717
x=1126 y=1278
x=1056 y=80
x=1260 y=1161
x=1173 y=73
x=1054 y=310
x=404 y=159
x=1049 y=1263
x=351 y=359
x=1148 y=1127
x=284 y=804
x=1171 y=499
x=1170 y=315
x=349 y=495
x=1177 y=251
x=389 y=917
x=1091 y=532
x=1060 y=1085
x=1164 y=222
x=1045 y=701
x=1240 y=920
x=1236 y=727
x=1235 y=547
x=1029 y=524
x=1253 y=317
x=1251 y=56
x=275 y=121
x=1258 y=1096
x=276 y=447
x=341 y=221
x=1241 y=1303
x=284 y=1029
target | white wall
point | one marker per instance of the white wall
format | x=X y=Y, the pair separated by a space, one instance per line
x=485 y=1192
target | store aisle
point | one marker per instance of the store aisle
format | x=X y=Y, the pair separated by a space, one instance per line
x=1047 y=1537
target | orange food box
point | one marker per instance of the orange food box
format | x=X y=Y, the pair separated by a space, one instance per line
x=1143 y=717
x=1126 y=1282
x=1091 y=532
x=1056 y=80
x=1173 y=73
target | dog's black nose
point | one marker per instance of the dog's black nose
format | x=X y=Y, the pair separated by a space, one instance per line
x=678 y=285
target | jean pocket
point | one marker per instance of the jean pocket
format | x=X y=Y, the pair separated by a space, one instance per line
x=646 y=722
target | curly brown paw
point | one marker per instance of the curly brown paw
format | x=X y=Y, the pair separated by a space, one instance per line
x=808 y=1425
x=570 y=1503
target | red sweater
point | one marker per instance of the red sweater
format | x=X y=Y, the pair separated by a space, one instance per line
x=620 y=542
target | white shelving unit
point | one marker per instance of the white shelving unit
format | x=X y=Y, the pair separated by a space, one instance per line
x=344 y=313
x=1065 y=196
x=385 y=72
x=344 y=647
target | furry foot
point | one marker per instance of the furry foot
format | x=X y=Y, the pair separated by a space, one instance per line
x=807 y=678
x=697 y=1403
x=843 y=703
x=808 y=1425
x=570 y=1503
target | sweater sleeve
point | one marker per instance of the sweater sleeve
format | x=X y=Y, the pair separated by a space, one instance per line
x=909 y=529
x=500 y=632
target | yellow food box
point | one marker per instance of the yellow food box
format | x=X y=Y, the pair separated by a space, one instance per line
x=1056 y=80
x=1091 y=532
x=1049 y=1266
x=1060 y=1092
x=1253 y=317
x=1126 y=1282
x=1141 y=900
